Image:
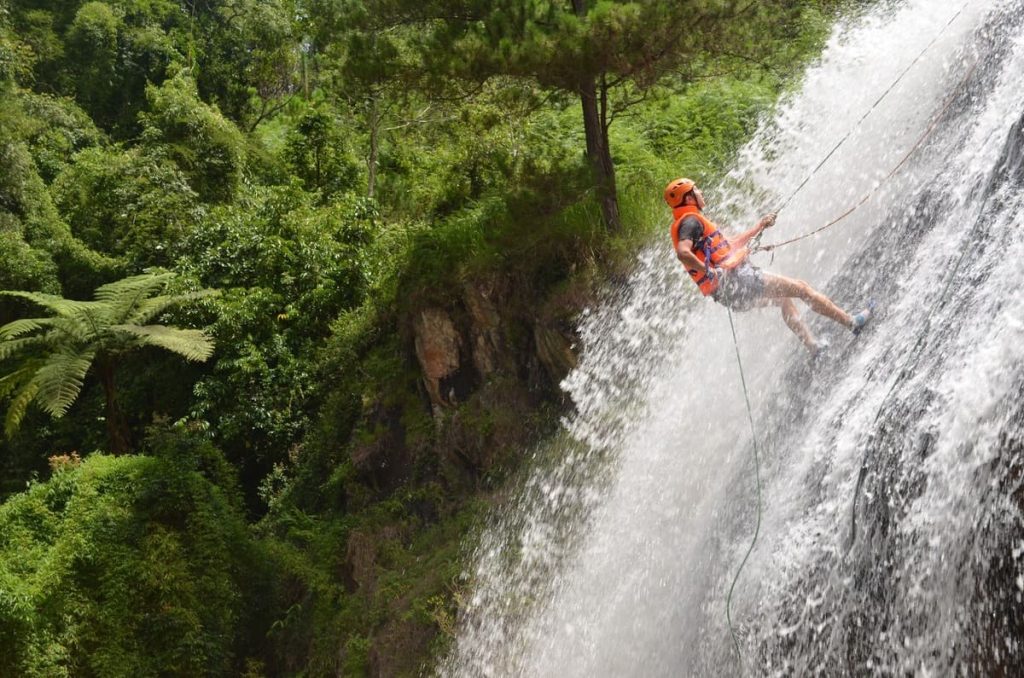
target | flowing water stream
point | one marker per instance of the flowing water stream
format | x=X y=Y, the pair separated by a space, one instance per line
x=892 y=540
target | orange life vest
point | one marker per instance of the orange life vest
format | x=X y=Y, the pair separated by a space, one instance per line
x=711 y=244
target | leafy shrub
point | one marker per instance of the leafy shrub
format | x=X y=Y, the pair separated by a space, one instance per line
x=317 y=153
x=56 y=129
x=124 y=566
x=207 y=147
x=91 y=47
x=287 y=268
x=131 y=204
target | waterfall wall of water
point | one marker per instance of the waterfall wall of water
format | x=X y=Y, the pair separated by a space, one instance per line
x=614 y=557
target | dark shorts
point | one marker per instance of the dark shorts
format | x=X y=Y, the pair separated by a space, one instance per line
x=741 y=289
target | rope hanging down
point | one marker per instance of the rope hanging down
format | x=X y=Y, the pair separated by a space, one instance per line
x=856 y=125
x=757 y=480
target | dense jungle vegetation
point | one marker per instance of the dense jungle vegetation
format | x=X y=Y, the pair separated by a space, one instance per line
x=291 y=285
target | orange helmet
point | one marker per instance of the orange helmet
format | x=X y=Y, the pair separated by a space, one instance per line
x=677 y=190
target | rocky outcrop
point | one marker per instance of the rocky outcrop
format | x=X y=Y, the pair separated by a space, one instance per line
x=437 y=349
x=484 y=328
x=462 y=346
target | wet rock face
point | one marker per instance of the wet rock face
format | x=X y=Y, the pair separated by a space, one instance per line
x=485 y=332
x=555 y=351
x=460 y=348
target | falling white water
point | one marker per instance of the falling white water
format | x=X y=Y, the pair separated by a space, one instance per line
x=615 y=557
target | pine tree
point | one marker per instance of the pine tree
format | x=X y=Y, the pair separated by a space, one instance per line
x=590 y=48
x=55 y=354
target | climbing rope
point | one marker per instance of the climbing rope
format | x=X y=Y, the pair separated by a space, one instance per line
x=867 y=196
x=757 y=481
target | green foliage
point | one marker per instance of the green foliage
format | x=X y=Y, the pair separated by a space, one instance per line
x=251 y=56
x=135 y=205
x=124 y=566
x=101 y=53
x=316 y=153
x=91 y=50
x=56 y=129
x=23 y=266
x=404 y=558
x=31 y=222
x=15 y=55
x=287 y=267
x=207 y=147
x=45 y=49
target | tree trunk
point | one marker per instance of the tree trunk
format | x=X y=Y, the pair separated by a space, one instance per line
x=318 y=151
x=305 y=76
x=117 y=427
x=599 y=154
x=371 y=160
x=595 y=127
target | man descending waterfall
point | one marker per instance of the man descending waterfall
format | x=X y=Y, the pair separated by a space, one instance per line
x=721 y=269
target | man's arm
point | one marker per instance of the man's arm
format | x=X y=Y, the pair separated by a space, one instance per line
x=767 y=221
x=690 y=230
x=684 y=250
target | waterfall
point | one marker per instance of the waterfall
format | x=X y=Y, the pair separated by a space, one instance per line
x=614 y=555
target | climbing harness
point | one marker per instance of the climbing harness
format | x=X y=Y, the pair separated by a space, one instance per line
x=757 y=247
x=771 y=247
x=757 y=480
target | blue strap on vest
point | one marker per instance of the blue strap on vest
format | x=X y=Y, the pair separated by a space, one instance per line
x=708 y=263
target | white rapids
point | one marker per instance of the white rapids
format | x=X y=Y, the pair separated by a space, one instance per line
x=615 y=555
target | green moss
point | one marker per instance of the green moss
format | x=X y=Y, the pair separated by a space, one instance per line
x=357 y=659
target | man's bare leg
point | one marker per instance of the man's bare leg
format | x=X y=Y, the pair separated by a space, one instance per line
x=781 y=287
x=793 y=321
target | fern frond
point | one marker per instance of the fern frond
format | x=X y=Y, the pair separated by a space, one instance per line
x=123 y=296
x=12 y=347
x=148 y=309
x=66 y=308
x=77 y=329
x=193 y=345
x=18 y=407
x=19 y=327
x=59 y=380
x=10 y=382
x=132 y=285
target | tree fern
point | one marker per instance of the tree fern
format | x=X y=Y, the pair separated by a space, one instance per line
x=13 y=347
x=136 y=286
x=17 y=328
x=55 y=354
x=123 y=296
x=14 y=380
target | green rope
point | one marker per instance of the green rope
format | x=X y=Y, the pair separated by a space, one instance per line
x=757 y=479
